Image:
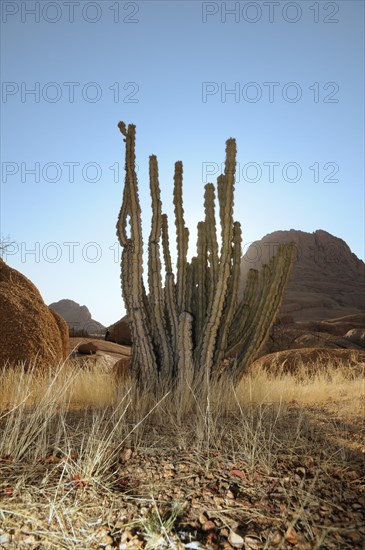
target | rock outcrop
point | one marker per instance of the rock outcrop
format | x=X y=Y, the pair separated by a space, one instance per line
x=106 y=354
x=89 y=348
x=332 y=333
x=357 y=336
x=120 y=333
x=63 y=328
x=327 y=279
x=29 y=331
x=78 y=318
x=308 y=361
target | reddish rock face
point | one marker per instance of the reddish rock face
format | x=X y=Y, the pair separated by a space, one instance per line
x=327 y=279
x=29 y=332
x=120 y=333
x=293 y=360
x=64 y=331
x=89 y=348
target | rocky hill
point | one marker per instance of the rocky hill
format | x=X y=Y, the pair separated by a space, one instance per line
x=77 y=317
x=327 y=279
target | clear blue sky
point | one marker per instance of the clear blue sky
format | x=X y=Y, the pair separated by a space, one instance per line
x=297 y=73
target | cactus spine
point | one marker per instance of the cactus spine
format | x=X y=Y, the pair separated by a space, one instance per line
x=185 y=328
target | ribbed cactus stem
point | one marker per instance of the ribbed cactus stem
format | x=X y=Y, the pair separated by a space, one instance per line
x=185 y=347
x=212 y=243
x=275 y=278
x=232 y=296
x=125 y=209
x=156 y=296
x=189 y=287
x=181 y=236
x=201 y=277
x=221 y=187
x=170 y=289
x=244 y=309
x=281 y=268
x=193 y=276
x=215 y=311
x=135 y=306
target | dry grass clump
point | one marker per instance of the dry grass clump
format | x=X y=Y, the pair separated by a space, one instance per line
x=324 y=383
x=65 y=383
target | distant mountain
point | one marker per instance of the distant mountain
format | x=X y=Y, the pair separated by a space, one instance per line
x=327 y=279
x=77 y=317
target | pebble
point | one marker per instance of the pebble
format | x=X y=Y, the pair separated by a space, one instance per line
x=208 y=525
x=235 y=540
x=5 y=539
x=29 y=540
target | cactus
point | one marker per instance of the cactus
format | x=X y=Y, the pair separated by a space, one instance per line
x=187 y=327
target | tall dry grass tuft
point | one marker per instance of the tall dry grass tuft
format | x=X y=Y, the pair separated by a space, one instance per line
x=319 y=384
x=68 y=408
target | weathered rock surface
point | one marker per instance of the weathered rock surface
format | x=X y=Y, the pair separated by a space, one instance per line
x=63 y=328
x=78 y=318
x=89 y=348
x=315 y=334
x=107 y=353
x=120 y=332
x=327 y=279
x=29 y=332
x=357 y=336
x=310 y=360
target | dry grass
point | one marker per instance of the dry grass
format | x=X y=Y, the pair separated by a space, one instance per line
x=66 y=384
x=69 y=385
x=325 y=383
x=84 y=463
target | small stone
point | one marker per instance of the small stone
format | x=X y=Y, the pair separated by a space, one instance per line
x=5 y=539
x=125 y=455
x=30 y=539
x=202 y=518
x=354 y=537
x=235 y=540
x=208 y=525
x=127 y=535
x=276 y=539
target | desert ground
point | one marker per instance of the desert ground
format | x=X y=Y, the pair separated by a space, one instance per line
x=87 y=462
